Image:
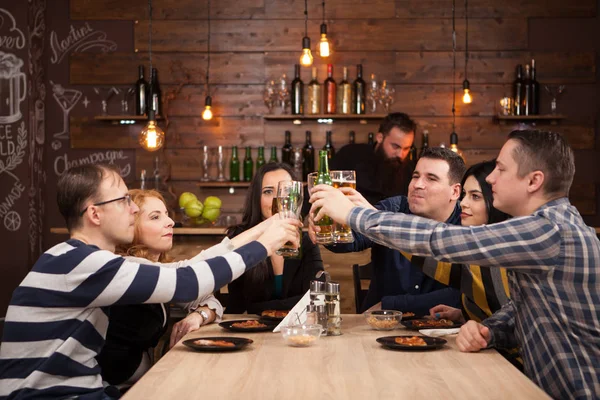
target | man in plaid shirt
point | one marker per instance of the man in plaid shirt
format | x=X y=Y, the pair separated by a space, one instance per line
x=552 y=257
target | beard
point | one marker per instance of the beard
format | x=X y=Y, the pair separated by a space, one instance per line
x=391 y=173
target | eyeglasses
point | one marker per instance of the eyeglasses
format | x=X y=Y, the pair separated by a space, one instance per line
x=126 y=197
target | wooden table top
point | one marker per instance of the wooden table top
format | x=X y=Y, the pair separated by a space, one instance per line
x=351 y=366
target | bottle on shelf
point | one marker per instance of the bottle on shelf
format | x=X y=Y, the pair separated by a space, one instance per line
x=359 y=92
x=154 y=101
x=248 y=165
x=308 y=157
x=260 y=160
x=286 y=150
x=425 y=143
x=234 y=166
x=329 y=92
x=328 y=147
x=518 y=92
x=141 y=87
x=345 y=95
x=297 y=93
x=314 y=94
x=371 y=139
x=527 y=98
x=325 y=235
x=535 y=90
x=273 y=155
x=412 y=155
x=352 y=137
x=143 y=179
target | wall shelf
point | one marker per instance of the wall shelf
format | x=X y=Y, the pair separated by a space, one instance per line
x=213 y=184
x=124 y=119
x=325 y=118
x=553 y=119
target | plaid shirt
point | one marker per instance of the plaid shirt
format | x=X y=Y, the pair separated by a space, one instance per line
x=554 y=264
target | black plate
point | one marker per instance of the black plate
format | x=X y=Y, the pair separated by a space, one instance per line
x=270 y=319
x=228 y=325
x=409 y=325
x=432 y=343
x=238 y=341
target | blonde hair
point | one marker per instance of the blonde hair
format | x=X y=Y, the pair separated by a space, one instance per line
x=137 y=249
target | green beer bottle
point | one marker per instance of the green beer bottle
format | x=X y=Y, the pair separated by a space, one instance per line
x=260 y=161
x=273 y=155
x=325 y=223
x=248 y=165
x=234 y=166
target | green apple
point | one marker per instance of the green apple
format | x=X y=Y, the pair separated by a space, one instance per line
x=211 y=214
x=193 y=208
x=212 y=202
x=185 y=198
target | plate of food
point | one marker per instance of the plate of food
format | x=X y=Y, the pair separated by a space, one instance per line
x=217 y=343
x=273 y=315
x=411 y=343
x=248 y=325
x=427 y=323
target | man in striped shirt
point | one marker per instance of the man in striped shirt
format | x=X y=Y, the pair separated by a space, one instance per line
x=57 y=318
x=552 y=257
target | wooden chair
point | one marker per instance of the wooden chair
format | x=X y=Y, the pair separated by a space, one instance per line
x=360 y=273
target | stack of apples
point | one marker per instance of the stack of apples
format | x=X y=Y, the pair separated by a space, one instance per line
x=198 y=212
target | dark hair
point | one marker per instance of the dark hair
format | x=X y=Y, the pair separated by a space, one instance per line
x=76 y=186
x=397 y=120
x=455 y=162
x=480 y=171
x=253 y=216
x=548 y=152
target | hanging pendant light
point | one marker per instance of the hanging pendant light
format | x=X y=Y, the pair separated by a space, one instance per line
x=207 y=113
x=324 y=45
x=467 y=98
x=306 y=59
x=152 y=137
x=454 y=135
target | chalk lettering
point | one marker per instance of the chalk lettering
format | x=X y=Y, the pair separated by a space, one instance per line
x=79 y=39
x=11 y=37
x=62 y=163
x=10 y=199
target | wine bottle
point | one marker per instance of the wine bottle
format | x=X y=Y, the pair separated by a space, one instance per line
x=352 y=137
x=518 y=92
x=371 y=139
x=345 y=95
x=323 y=178
x=286 y=150
x=412 y=155
x=297 y=94
x=329 y=92
x=535 y=90
x=328 y=147
x=425 y=143
x=248 y=165
x=234 y=166
x=260 y=160
x=527 y=98
x=314 y=94
x=308 y=157
x=273 y=155
x=154 y=101
x=359 y=92
x=141 y=86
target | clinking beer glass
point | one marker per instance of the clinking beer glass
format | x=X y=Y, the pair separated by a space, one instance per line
x=342 y=233
x=289 y=204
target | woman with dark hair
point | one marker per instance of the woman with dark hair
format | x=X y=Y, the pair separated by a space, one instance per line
x=277 y=283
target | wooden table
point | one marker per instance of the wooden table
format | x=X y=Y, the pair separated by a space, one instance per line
x=351 y=366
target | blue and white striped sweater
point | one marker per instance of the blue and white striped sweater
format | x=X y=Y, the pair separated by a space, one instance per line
x=56 y=321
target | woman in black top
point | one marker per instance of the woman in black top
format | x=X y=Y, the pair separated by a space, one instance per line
x=278 y=283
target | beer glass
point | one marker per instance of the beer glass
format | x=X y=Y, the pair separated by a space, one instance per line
x=289 y=205
x=343 y=233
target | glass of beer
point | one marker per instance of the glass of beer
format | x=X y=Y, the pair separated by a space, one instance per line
x=289 y=205
x=343 y=233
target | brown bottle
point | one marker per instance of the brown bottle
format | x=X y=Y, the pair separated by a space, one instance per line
x=329 y=92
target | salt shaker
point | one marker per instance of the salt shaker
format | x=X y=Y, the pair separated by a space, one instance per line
x=312 y=317
x=317 y=292
x=333 y=309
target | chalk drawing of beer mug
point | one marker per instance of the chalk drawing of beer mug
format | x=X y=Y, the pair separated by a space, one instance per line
x=13 y=88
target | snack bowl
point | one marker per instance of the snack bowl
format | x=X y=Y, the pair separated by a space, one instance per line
x=301 y=335
x=383 y=320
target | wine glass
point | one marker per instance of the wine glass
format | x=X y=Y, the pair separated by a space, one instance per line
x=386 y=96
x=270 y=95
x=205 y=165
x=283 y=94
x=373 y=95
x=289 y=205
x=554 y=92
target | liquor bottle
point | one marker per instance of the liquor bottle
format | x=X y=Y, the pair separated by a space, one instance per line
x=141 y=86
x=154 y=100
x=352 y=137
x=260 y=160
x=518 y=92
x=412 y=155
x=329 y=92
x=425 y=143
x=371 y=139
x=248 y=165
x=286 y=150
x=314 y=94
x=273 y=155
x=234 y=166
x=328 y=147
x=345 y=95
x=308 y=157
x=143 y=180
x=297 y=94
x=359 y=92
x=527 y=99
x=535 y=91
x=323 y=178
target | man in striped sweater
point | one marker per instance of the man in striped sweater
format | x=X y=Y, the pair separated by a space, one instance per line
x=57 y=318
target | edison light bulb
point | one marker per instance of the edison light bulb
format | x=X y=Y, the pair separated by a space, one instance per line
x=467 y=97
x=324 y=46
x=152 y=137
x=207 y=113
x=306 y=59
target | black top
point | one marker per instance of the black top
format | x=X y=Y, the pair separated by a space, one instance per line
x=297 y=274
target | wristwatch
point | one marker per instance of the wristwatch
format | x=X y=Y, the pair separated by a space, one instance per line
x=204 y=314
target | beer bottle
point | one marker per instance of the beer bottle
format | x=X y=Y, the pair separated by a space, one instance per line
x=234 y=166
x=325 y=235
x=248 y=165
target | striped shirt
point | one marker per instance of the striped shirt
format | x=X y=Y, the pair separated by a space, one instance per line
x=57 y=318
x=555 y=259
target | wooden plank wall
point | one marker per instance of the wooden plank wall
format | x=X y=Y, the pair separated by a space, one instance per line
x=407 y=42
